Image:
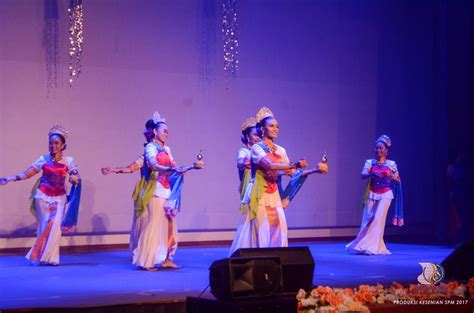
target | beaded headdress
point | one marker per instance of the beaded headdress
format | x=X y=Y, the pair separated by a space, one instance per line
x=385 y=139
x=58 y=130
x=264 y=113
x=157 y=118
x=250 y=122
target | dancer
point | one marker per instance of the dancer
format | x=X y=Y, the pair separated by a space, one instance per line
x=138 y=164
x=382 y=187
x=49 y=196
x=262 y=200
x=245 y=236
x=158 y=241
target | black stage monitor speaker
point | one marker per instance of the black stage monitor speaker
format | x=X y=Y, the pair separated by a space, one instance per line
x=245 y=277
x=297 y=265
x=459 y=265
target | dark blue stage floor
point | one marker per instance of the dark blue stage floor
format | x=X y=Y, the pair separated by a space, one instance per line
x=108 y=278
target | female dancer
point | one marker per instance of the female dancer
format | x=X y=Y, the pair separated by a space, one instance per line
x=383 y=184
x=50 y=196
x=138 y=164
x=158 y=242
x=261 y=199
x=245 y=236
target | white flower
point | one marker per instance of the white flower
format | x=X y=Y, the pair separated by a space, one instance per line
x=308 y=302
x=301 y=294
x=391 y=297
x=380 y=299
x=326 y=309
x=400 y=293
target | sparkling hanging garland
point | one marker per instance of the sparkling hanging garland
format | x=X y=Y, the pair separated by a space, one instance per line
x=231 y=41
x=207 y=47
x=51 y=44
x=76 y=38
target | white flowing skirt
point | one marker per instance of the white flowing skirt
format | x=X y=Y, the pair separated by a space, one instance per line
x=158 y=240
x=267 y=229
x=138 y=225
x=49 y=213
x=370 y=238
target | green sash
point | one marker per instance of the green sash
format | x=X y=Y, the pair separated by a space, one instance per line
x=32 y=197
x=258 y=190
x=143 y=193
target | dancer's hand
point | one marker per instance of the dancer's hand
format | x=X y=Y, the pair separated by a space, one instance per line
x=396 y=177
x=285 y=203
x=106 y=170
x=5 y=180
x=74 y=179
x=289 y=172
x=302 y=163
x=198 y=165
x=181 y=169
x=322 y=168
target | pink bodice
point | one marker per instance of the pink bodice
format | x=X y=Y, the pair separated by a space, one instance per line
x=53 y=179
x=164 y=159
x=380 y=184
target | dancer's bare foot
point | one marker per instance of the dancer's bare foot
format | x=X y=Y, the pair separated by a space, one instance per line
x=52 y=264
x=148 y=269
x=170 y=264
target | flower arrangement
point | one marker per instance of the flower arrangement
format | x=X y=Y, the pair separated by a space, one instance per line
x=332 y=300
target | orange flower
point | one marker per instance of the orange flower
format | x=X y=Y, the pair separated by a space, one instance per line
x=325 y=299
x=471 y=287
x=321 y=290
x=379 y=288
x=364 y=288
x=369 y=298
x=349 y=292
x=315 y=293
x=337 y=299
x=452 y=285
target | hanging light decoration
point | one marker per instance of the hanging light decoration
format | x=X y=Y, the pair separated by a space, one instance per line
x=230 y=38
x=76 y=38
x=51 y=44
x=207 y=47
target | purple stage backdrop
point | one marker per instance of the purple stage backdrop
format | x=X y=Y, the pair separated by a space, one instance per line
x=336 y=74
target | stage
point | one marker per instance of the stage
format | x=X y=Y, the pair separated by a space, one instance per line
x=107 y=278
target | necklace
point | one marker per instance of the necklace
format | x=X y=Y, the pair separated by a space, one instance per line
x=271 y=146
x=57 y=158
x=381 y=163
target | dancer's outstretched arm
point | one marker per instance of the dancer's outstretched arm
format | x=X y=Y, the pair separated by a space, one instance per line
x=267 y=164
x=30 y=172
x=131 y=168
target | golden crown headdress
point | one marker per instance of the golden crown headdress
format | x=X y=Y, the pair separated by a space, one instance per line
x=157 y=118
x=385 y=139
x=250 y=122
x=264 y=113
x=59 y=130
